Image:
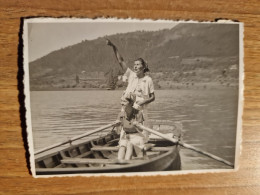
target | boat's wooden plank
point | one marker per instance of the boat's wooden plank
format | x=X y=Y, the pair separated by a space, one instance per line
x=114 y=166
x=156 y=137
x=87 y=160
x=114 y=149
x=161 y=149
x=98 y=161
x=105 y=148
x=39 y=158
x=60 y=166
x=149 y=153
x=84 y=154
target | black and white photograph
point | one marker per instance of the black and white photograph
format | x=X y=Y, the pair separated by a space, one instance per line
x=129 y=97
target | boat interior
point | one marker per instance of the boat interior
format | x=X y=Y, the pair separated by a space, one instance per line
x=102 y=152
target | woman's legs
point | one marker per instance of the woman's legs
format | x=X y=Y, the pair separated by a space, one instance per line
x=126 y=148
x=121 y=152
x=146 y=123
x=125 y=152
x=129 y=151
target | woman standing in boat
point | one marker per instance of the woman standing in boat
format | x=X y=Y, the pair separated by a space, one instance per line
x=140 y=91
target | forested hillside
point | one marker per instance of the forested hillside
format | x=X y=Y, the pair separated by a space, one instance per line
x=186 y=53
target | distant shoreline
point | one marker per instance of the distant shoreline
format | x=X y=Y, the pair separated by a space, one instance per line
x=177 y=86
x=76 y=89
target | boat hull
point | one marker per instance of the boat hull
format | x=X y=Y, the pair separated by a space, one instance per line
x=51 y=164
x=168 y=162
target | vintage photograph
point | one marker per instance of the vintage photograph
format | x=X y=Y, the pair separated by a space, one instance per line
x=129 y=97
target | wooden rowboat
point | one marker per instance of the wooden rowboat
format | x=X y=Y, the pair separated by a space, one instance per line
x=99 y=155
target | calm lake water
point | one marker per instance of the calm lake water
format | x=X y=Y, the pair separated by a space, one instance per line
x=208 y=118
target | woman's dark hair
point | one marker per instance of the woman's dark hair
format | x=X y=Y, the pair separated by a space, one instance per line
x=146 y=69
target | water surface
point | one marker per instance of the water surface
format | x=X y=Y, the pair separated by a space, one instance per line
x=208 y=118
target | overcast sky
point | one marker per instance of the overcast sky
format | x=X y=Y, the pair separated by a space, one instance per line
x=47 y=37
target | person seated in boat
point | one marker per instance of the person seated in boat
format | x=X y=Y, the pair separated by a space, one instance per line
x=140 y=86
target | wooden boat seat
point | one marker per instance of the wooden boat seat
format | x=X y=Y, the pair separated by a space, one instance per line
x=105 y=148
x=98 y=161
x=115 y=149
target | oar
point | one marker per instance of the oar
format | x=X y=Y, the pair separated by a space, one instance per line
x=77 y=137
x=139 y=126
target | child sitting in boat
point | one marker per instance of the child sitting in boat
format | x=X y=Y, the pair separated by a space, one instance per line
x=138 y=94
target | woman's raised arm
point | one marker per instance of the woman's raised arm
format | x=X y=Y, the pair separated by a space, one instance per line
x=119 y=58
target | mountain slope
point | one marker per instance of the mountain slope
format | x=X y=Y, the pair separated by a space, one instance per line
x=160 y=49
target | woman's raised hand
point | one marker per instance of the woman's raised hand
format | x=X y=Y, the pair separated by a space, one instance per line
x=109 y=42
